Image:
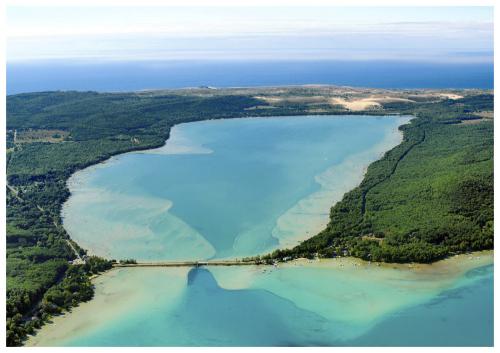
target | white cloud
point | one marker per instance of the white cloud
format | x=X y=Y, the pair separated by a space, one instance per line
x=143 y=33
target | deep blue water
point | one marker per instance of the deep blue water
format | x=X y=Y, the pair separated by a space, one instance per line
x=129 y=76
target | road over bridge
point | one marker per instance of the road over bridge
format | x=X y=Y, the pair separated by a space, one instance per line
x=189 y=263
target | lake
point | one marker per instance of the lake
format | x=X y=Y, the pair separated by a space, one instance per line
x=239 y=187
x=47 y=75
x=225 y=188
x=321 y=303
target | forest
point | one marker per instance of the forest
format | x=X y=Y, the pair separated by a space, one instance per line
x=42 y=278
x=428 y=198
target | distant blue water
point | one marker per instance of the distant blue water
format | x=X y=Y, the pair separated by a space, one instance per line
x=129 y=76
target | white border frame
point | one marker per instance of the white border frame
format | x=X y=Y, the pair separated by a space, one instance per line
x=217 y=3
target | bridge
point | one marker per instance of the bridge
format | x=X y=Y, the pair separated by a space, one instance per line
x=189 y=263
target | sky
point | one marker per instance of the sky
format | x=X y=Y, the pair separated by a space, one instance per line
x=437 y=34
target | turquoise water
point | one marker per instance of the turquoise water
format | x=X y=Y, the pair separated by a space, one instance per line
x=460 y=317
x=240 y=187
x=208 y=315
x=211 y=316
x=223 y=188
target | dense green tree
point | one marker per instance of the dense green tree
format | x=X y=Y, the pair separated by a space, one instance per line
x=429 y=197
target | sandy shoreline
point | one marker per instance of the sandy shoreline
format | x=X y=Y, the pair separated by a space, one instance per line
x=306 y=218
x=310 y=215
x=447 y=268
x=353 y=293
x=114 y=296
x=341 y=280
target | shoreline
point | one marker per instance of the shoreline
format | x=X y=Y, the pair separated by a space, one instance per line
x=463 y=262
x=160 y=140
x=110 y=159
x=299 y=262
x=313 y=210
x=283 y=227
x=353 y=292
x=458 y=263
x=114 y=295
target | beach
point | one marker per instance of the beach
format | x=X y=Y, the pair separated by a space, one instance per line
x=353 y=290
x=148 y=213
x=353 y=294
x=116 y=291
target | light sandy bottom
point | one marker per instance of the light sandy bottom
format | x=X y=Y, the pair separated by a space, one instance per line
x=352 y=294
x=145 y=230
x=178 y=143
x=311 y=214
x=118 y=221
x=116 y=293
x=355 y=293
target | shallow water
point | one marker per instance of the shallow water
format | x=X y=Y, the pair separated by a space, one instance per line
x=235 y=187
x=460 y=317
x=169 y=308
x=225 y=188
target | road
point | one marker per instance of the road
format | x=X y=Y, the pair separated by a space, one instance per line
x=78 y=260
x=189 y=263
x=14 y=192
